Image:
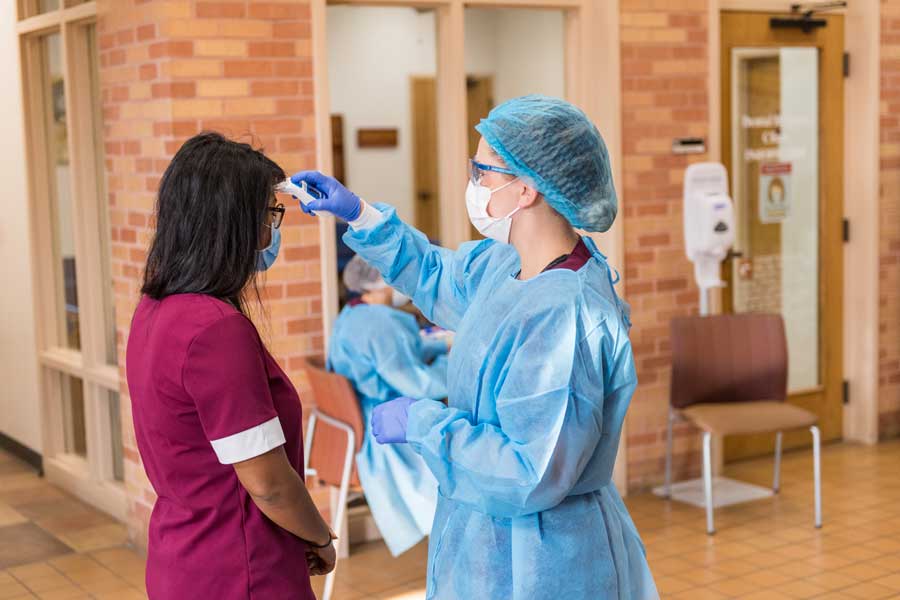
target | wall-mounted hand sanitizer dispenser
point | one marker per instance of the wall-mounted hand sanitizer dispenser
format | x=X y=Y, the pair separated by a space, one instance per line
x=708 y=223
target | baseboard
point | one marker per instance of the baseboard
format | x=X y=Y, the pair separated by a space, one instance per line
x=23 y=453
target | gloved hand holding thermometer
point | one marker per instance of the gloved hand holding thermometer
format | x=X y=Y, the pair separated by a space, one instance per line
x=318 y=192
x=303 y=193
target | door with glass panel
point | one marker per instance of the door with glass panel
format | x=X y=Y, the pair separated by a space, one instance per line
x=782 y=134
x=82 y=429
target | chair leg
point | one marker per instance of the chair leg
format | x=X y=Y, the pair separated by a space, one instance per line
x=329 y=580
x=329 y=584
x=343 y=491
x=776 y=481
x=817 y=474
x=707 y=481
x=668 y=485
x=307 y=442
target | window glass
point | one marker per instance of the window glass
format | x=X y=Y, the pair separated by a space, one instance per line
x=109 y=309
x=115 y=431
x=61 y=213
x=47 y=5
x=72 y=395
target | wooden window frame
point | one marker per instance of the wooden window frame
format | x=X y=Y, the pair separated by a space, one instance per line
x=90 y=477
x=592 y=82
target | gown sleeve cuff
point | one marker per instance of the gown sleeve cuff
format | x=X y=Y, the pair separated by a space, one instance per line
x=421 y=419
x=369 y=217
x=383 y=230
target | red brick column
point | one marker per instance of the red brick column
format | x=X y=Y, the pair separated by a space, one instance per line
x=170 y=69
x=664 y=96
x=889 y=237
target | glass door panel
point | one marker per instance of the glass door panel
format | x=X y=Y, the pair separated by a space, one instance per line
x=775 y=182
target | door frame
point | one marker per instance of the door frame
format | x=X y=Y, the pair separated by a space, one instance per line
x=861 y=180
x=591 y=30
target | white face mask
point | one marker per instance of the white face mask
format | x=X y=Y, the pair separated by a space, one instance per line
x=477 y=199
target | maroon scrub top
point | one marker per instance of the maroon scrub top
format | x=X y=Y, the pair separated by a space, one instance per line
x=198 y=373
x=573 y=261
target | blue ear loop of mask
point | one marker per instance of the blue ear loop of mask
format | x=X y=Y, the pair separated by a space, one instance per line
x=265 y=258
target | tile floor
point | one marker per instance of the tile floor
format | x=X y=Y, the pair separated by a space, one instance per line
x=54 y=547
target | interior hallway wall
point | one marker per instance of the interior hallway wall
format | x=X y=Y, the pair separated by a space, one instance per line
x=372 y=54
x=664 y=96
x=889 y=217
x=374 y=51
x=20 y=415
x=169 y=70
x=522 y=49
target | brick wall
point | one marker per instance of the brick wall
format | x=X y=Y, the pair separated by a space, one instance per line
x=889 y=212
x=762 y=292
x=664 y=96
x=169 y=69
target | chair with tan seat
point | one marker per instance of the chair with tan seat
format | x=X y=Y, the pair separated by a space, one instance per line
x=334 y=434
x=729 y=377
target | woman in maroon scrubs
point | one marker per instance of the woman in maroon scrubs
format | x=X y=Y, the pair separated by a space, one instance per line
x=217 y=421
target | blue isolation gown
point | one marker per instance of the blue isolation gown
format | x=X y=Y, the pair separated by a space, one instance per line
x=539 y=379
x=380 y=351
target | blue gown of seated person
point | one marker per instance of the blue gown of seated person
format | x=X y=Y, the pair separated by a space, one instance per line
x=379 y=349
x=539 y=380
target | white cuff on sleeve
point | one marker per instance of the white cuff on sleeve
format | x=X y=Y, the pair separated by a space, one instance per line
x=369 y=216
x=249 y=443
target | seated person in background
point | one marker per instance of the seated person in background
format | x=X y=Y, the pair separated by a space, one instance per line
x=378 y=348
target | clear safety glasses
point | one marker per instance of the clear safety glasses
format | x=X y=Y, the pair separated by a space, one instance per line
x=477 y=170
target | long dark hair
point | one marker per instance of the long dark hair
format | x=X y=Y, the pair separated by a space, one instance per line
x=212 y=206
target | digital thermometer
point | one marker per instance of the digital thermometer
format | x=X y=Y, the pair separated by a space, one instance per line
x=304 y=192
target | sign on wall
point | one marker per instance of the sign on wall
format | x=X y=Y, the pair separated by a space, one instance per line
x=774 y=192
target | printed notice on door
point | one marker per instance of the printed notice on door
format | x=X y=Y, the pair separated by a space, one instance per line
x=774 y=192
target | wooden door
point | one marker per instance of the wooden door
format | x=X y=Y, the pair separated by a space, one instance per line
x=425 y=169
x=782 y=140
x=338 y=166
x=479 y=102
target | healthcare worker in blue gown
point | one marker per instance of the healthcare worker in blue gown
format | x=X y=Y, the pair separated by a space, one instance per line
x=378 y=348
x=541 y=372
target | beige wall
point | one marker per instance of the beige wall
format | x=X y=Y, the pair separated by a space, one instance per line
x=19 y=406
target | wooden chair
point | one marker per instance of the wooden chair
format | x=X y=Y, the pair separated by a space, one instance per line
x=729 y=377
x=334 y=434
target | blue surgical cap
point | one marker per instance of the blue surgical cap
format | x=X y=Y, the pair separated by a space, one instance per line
x=555 y=145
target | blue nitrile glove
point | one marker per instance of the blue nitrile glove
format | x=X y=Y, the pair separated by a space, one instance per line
x=338 y=200
x=389 y=420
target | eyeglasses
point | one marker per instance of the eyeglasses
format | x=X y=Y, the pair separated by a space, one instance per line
x=276 y=216
x=477 y=170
